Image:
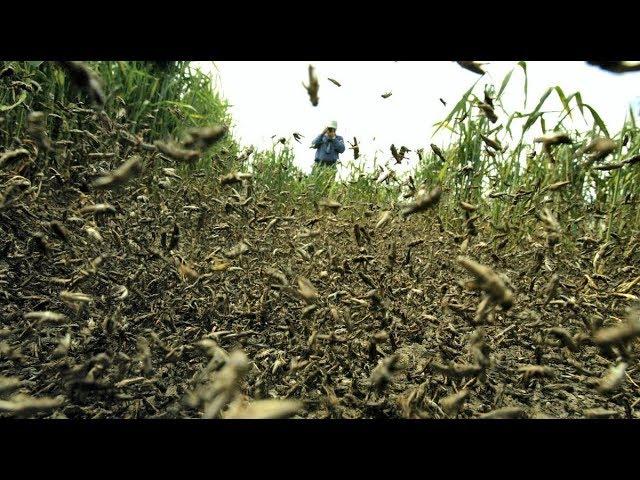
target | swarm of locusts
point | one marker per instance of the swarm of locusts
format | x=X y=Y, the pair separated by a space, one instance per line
x=134 y=283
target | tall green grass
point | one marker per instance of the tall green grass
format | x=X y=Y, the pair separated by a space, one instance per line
x=160 y=100
x=511 y=186
x=156 y=100
x=513 y=171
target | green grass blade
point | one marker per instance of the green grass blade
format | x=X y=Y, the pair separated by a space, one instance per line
x=523 y=65
x=533 y=116
x=596 y=118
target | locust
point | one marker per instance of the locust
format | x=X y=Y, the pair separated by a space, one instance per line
x=600 y=413
x=613 y=378
x=599 y=148
x=355 y=147
x=505 y=413
x=487 y=98
x=85 y=79
x=468 y=206
x=381 y=374
x=330 y=204
x=75 y=297
x=174 y=151
x=491 y=143
x=263 y=409
x=171 y=172
x=9 y=384
x=565 y=338
x=438 y=152
x=27 y=405
x=488 y=112
x=234 y=177
x=386 y=176
x=535 y=371
x=307 y=290
x=457 y=370
x=617 y=67
x=225 y=384
x=94 y=234
x=423 y=202
x=473 y=67
x=237 y=250
x=489 y=281
x=204 y=137
x=120 y=176
x=313 y=87
x=452 y=403
x=555 y=138
x=36 y=126
x=621 y=333
x=383 y=219
x=62 y=348
x=398 y=155
x=479 y=348
x=98 y=208
x=46 y=317
x=244 y=156
x=187 y=272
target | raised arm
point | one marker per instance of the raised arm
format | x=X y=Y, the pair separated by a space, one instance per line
x=339 y=142
x=317 y=141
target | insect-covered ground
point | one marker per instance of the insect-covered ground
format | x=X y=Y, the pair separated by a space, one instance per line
x=129 y=289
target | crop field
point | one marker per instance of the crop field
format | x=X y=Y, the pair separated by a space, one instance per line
x=152 y=267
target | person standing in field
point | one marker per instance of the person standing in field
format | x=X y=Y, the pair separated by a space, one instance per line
x=328 y=146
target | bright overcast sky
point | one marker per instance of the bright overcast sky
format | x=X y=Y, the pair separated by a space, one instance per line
x=268 y=99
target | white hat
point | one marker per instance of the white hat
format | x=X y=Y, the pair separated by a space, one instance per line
x=333 y=124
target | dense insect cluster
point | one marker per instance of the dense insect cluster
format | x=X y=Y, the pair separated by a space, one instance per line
x=131 y=289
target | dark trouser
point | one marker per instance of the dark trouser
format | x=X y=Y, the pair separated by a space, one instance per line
x=324 y=164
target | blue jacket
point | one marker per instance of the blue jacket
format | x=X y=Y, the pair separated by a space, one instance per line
x=327 y=150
